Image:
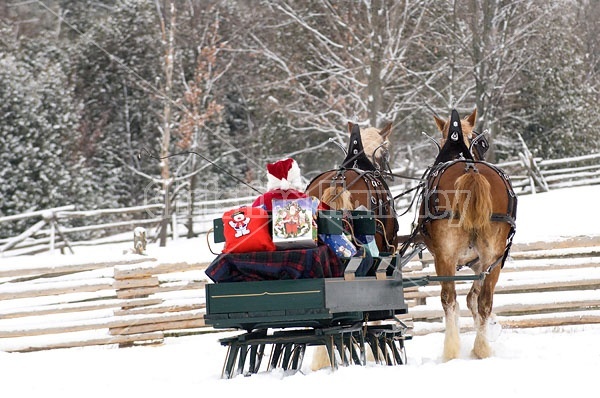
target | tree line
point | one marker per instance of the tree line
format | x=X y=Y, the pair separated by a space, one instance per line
x=118 y=102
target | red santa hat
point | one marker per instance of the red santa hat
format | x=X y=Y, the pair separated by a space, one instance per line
x=284 y=174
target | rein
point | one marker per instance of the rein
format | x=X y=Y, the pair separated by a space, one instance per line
x=150 y=155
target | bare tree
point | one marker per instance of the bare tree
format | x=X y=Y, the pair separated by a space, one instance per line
x=333 y=61
x=201 y=107
x=489 y=44
x=168 y=42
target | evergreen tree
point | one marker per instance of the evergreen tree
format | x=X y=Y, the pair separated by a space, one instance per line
x=557 y=103
x=39 y=117
x=117 y=72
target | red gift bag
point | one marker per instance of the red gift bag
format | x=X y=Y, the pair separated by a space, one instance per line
x=246 y=229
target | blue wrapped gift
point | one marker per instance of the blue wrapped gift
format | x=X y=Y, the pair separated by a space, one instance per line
x=340 y=244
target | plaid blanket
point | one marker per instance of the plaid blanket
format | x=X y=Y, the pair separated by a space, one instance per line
x=319 y=262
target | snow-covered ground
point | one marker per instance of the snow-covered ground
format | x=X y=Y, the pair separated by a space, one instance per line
x=527 y=362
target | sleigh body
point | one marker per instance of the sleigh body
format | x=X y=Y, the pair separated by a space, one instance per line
x=333 y=305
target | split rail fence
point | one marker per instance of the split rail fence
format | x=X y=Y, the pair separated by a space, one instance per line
x=139 y=300
x=542 y=285
x=127 y=301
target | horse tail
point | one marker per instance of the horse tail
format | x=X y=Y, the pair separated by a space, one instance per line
x=473 y=203
x=337 y=198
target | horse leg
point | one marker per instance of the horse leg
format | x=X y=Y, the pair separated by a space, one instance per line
x=472 y=298
x=451 y=314
x=481 y=347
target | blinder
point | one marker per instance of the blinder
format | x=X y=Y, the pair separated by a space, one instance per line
x=480 y=144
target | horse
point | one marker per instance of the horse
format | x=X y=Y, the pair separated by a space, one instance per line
x=360 y=182
x=467 y=217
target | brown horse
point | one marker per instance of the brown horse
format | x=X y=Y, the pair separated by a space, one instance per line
x=359 y=181
x=467 y=218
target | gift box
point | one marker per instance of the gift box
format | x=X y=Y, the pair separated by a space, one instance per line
x=340 y=244
x=368 y=242
x=294 y=226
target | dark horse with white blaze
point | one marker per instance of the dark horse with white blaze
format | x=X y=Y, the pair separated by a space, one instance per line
x=359 y=181
x=466 y=218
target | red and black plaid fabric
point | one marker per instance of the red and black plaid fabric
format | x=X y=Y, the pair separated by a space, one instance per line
x=319 y=262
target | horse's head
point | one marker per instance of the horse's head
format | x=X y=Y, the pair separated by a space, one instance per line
x=375 y=144
x=460 y=134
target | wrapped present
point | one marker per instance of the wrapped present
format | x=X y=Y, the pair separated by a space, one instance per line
x=294 y=226
x=340 y=244
x=369 y=243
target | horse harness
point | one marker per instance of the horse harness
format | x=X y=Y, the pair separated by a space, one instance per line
x=379 y=194
x=430 y=201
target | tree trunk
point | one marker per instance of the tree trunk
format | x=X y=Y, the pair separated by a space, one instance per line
x=375 y=99
x=192 y=199
x=169 y=41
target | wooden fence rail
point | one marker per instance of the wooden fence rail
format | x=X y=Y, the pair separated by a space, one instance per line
x=139 y=300
x=536 y=288
x=125 y=301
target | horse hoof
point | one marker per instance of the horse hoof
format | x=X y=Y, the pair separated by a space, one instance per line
x=451 y=353
x=481 y=349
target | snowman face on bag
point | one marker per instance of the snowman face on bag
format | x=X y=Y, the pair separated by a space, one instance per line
x=238 y=217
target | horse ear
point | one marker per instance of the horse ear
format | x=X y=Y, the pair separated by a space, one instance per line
x=386 y=131
x=350 y=127
x=472 y=118
x=440 y=123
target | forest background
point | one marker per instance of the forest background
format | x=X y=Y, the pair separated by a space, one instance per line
x=88 y=89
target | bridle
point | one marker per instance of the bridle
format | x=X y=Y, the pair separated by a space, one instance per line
x=479 y=145
x=382 y=164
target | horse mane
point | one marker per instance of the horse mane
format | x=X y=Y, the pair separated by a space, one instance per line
x=337 y=198
x=372 y=139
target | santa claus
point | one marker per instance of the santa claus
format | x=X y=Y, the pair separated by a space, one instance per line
x=283 y=182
